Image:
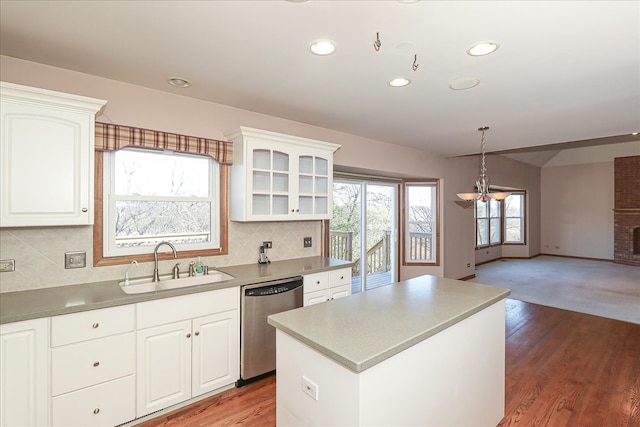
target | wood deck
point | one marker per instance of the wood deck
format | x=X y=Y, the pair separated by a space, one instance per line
x=374 y=280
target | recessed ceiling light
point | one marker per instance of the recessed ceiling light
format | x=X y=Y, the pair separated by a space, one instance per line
x=464 y=83
x=483 y=48
x=179 y=82
x=399 y=82
x=322 y=47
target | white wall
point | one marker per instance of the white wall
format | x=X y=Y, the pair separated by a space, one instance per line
x=577 y=210
x=39 y=252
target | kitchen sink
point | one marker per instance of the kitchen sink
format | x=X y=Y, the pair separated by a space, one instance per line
x=146 y=284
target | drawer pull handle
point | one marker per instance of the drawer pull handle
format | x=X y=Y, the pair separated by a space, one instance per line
x=188 y=335
x=96 y=411
x=197 y=333
x=95 y=325
x=96 y=364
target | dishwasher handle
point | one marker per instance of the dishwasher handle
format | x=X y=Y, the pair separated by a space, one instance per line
x=273 y=287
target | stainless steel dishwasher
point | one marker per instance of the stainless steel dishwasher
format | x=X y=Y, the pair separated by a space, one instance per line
x=257 y=337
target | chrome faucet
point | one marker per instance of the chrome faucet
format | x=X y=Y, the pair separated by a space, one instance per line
x=156 y=276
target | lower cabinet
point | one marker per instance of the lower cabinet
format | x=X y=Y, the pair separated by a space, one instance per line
x=327 y=285
x=24 y=373
x=194 y=351
x=93 y=367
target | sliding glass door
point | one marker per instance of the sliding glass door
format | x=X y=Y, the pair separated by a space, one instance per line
x=364 y=229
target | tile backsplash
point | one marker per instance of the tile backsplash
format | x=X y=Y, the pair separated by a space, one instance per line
x=39 y=252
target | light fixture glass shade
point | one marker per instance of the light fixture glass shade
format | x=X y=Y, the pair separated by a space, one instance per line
x=467 y=196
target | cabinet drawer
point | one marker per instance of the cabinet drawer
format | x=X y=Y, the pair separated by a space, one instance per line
x=84 y=364
x=315 y=281
x=108 y=404
x=87 y=325
x=340 y=277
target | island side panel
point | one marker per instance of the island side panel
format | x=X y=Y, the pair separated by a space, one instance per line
x=338 y=391
x=454 y=378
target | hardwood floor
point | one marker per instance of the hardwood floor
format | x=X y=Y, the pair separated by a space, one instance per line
x=563 y=369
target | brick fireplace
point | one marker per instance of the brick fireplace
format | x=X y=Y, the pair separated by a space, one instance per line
x=626 y=212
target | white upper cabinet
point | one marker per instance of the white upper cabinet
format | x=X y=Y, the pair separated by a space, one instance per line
x=47 y=156
x=278 y=177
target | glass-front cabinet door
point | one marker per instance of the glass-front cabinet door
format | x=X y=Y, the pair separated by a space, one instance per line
x=313 y=185
x=270 y=184
x=277 y=177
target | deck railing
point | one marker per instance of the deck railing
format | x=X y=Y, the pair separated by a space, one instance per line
x=379 y=255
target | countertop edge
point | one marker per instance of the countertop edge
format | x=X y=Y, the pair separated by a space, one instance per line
x=375 y=359
x=117 y=297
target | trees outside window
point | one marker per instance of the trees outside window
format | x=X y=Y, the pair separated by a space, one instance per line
x=500 y=221
x=151 y=196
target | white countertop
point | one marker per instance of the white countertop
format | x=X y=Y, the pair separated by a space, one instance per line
x=364 y=329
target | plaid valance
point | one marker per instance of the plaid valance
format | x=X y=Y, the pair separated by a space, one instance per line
x=110 y=137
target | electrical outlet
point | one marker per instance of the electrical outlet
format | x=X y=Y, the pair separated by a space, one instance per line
x=75 y=259
x=307 y=242
x=468 y=264
x=7 y=265
x=310 y=388
x=267 y=245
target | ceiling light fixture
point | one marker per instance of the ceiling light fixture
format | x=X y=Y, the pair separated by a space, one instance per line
x=322 y=47
x=483 y=48
x=399 y=82
x=482 y=182
x=179 y=82
x=464 y=83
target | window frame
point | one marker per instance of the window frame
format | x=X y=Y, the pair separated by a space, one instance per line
x=404 y=222
x=503 y=222
x=523 y=220
x=101 y=259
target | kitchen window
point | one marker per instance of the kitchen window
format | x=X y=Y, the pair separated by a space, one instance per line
x=154 y=196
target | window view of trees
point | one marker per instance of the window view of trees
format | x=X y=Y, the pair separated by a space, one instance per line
x=420 y=222
x=156 y=196
x=499 y=222
x=356 y=203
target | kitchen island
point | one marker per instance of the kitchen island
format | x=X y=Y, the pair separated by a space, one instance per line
x=428 y=351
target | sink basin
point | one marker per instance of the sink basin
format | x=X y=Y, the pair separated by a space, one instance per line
x=145 y=284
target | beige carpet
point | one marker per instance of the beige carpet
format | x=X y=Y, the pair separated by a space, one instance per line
x=601 y=288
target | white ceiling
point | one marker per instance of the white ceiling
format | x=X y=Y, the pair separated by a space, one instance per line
x=566 y=71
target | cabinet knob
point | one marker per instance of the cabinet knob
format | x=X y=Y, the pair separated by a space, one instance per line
x=95 y=325
x=84 y=209
x=197 y=333
x=318 y=282
x=188 y=335
x=341 y=277
x=96 y=364
x=96 y=411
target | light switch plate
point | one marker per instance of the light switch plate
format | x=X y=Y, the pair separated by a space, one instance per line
x=76 y=259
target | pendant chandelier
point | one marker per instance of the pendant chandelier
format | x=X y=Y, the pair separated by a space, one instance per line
x=482 y=182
